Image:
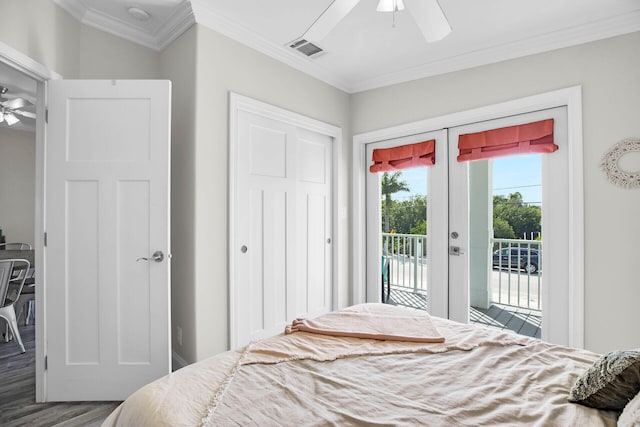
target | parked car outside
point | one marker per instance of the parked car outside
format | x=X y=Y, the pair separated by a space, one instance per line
x=527 y=259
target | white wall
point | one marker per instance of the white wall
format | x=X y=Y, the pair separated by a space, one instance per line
x=224 y=65
x=608 y=73
x=178 y=65
x=17 y=184
x=52 y=37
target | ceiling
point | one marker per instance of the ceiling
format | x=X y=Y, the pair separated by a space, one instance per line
x=364 y=51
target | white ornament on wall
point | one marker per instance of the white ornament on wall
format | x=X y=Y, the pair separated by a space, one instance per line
x=611 y=164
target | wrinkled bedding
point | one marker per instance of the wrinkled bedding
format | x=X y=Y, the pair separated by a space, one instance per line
x=476 y=377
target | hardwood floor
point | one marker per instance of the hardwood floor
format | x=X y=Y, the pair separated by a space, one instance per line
x=18 y=389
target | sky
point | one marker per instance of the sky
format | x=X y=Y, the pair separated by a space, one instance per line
x=510 y=174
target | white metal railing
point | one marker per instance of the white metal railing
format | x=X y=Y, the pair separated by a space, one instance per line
x=407 y=256
x=517 y=277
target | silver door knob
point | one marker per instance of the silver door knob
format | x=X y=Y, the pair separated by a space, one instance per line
x=157 y=256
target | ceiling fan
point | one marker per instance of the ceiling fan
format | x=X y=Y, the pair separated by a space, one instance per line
x=427 y=14
x=11 y=109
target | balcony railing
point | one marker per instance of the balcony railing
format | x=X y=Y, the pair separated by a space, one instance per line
x=407 y=260
x=517 y=281
x=515 y=275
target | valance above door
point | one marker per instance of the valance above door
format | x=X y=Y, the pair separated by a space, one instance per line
x=535 y=137
x=404 y=157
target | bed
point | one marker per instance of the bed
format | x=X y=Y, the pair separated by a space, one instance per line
x=396 y=367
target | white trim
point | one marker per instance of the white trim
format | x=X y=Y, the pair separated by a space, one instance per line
x=239 y=103
x=41 y=75
x=26 y=65
x=156 y=39
x=576 y=218
x=615 y=26
x=572 y=98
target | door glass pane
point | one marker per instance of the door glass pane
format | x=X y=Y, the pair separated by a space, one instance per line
x=505 y=197
x=403 y=200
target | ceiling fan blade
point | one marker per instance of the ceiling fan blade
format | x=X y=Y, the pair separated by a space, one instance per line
x=24 y=113
x=430 y=19
x=329 y=19
x=10 y=118
x=16 y=103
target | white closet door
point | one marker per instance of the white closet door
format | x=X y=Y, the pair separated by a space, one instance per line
x=282 y=231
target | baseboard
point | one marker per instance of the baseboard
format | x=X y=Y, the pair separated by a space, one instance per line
x=177 y=361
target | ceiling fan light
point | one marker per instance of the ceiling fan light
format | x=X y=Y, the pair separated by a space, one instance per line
x=10 y=119
x=390 y=5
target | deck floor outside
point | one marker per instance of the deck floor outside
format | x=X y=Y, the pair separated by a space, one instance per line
x=522 y=321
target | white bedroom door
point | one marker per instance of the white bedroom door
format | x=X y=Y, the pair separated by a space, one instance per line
x=282 y=225
x=107 y=250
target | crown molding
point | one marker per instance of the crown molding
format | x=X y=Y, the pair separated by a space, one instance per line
x=200 y=11
x=615 y=26
x=170 y=30
x=181 y=20
x=211 y=19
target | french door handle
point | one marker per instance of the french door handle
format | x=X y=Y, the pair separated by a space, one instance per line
x=455 y=250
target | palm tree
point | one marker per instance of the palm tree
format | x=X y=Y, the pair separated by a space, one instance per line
x=390 y=185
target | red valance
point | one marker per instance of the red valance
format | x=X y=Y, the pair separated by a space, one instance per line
x=404 y=157
x=536 y=137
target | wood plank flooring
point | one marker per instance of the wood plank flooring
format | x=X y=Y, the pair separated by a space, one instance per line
x=18 y=389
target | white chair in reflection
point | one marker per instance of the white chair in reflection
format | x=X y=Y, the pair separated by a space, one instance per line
x=12 y=278
x=15 y=246
x=26 y=303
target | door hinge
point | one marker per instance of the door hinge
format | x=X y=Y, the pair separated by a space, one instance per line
x=46 y=363
x=45 y=239
x=46 y=115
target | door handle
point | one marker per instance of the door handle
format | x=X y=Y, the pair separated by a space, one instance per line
x=157 y=256
x=455 y=250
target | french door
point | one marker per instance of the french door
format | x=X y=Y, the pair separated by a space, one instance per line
x=433 y=271
x=470 y=227
x=459 y=224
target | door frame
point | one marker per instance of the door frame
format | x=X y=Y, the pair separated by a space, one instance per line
x=41 y=74
x=570 y=97
x=238 y=103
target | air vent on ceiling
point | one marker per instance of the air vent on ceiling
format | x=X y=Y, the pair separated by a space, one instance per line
x=306 y=47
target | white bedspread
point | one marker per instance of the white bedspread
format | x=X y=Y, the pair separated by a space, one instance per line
x=477 y=377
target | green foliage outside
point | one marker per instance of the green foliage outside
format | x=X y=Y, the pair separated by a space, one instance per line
x=409 y=216
x=390 y=184
x=512 y=218
x=523 y=219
